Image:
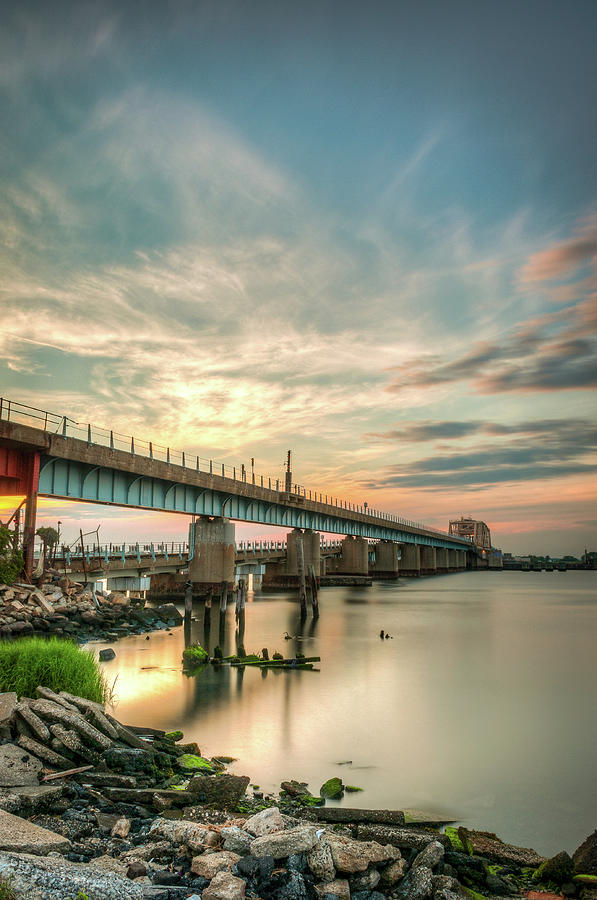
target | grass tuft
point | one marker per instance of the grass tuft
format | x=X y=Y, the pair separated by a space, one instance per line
x=54 y=663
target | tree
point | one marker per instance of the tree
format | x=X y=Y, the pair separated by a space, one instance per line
x=11 y=559
x=49 y=537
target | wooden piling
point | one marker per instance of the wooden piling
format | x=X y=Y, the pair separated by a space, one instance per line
x=224 y=596
x=300 y=565
x=188 y=601
x=314 y=592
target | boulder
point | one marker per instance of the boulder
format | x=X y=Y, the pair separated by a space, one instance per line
x=209 y=864
x=393 y=873
x=283 y=843
x=265 y=822
x=121 y=828
x=236 y=839
x=221 y=790
x=430 y=857
x=105 y=655
x=490 y=846
x=331 y=789
x=559 y=869
x=21 y=836
x=224 y=886
x=416 y=885
x=366 y=881
x=320 y=861
x=180 y=832
x=54 y=878
x=169 y=613
x=17 y=766
x=338 y=890
x=585 y=857
x=355 y=856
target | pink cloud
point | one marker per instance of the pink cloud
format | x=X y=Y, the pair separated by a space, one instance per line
x=563 y=258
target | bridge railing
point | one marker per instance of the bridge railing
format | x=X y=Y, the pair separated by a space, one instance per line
x=13 y=411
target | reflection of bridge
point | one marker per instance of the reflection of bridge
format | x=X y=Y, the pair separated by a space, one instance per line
x=48 y=455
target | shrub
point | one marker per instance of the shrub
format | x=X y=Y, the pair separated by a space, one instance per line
x=11 y=560
x=277 y=655
x=57 y=664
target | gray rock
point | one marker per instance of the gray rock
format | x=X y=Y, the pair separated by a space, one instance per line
x=267 y=821
x=224 y=790
x=41 y=751
x=39 y=728
x=236 y=839
x=416 y=885
x=355 y=856
x=405 y=838
x=93 y=711
x=54 y=878
x=18 y=766
x=430 y=857
x=106 y=654
x=192 y=835
x=8 y=703
x=126 y=759
x=320 y=861
x=21 y=836
x=225 y=886
x=284 y=843
x=367 y=881
x=335 y=890
x=54 y=712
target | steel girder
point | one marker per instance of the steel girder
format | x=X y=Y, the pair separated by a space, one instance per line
x=73 y=480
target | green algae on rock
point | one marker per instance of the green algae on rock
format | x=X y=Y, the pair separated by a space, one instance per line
x=331 y=789
x=189 y=762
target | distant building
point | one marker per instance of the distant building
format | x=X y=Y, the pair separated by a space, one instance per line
x=476 y=531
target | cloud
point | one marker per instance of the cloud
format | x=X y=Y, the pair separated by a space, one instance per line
x=563 y=258
x=583 y=431
x=526 y=451
x=556 y=352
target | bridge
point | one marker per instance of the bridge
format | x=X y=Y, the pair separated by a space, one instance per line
x=50 y=455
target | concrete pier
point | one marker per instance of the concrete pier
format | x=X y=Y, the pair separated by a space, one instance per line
x=428 y=560
x=355 y=556
x=410 y=560
x=442 y=560
x=213 y=555
x=386 y=563
x=285 y=572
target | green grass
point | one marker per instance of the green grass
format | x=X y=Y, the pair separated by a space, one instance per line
x=54 y=663
x=6 y=891
x=194 y=655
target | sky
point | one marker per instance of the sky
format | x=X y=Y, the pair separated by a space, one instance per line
x=366 y=232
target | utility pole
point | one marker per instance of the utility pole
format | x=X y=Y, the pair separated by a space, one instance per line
x=288 y=473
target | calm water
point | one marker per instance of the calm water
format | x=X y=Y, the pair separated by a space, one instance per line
x=482 y=706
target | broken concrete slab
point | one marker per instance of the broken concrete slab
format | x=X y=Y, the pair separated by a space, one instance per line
x=21 y=836
x=18 y=767
x=54 y=878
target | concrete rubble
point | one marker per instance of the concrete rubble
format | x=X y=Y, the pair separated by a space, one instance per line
x=127 y=825
x=64 y=608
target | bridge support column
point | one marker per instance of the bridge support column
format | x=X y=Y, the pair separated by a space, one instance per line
x=213 y=555
x=355 y=556
x=453 y=560
x=461 y=554
x=285 y=573
x=410 y=559
x=428 y=560
x=386 y=560
x=442 y=559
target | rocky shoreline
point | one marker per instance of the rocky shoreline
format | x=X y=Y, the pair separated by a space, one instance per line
x=62 y=608
x=92 y=808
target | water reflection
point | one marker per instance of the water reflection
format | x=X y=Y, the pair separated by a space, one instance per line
x=473 y=707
